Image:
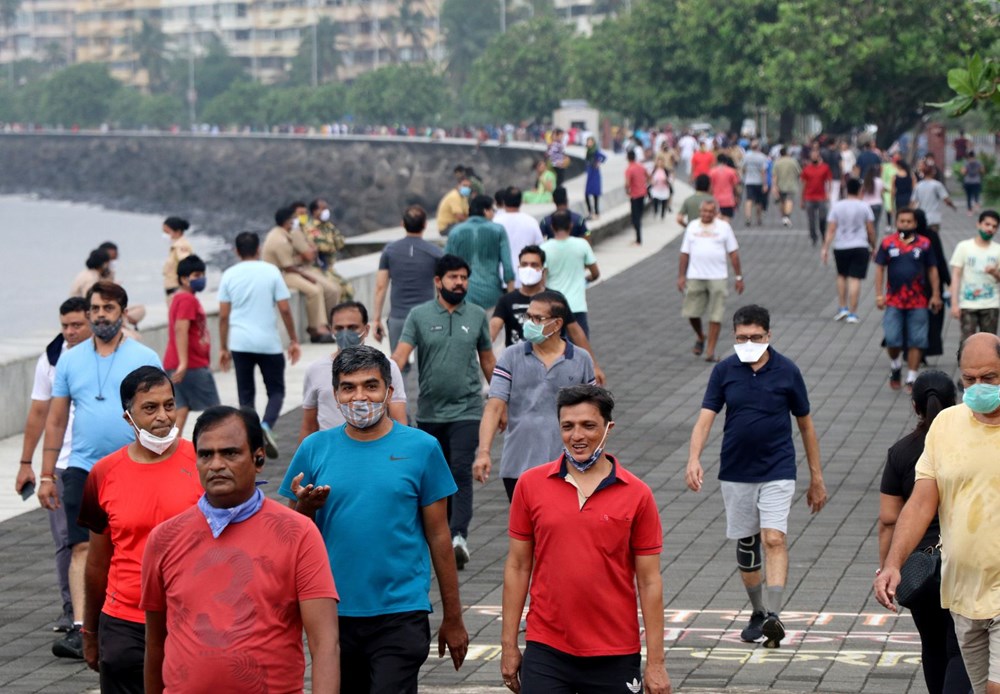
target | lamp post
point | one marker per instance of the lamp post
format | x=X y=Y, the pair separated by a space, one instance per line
x=315 y=44
x=192 y=94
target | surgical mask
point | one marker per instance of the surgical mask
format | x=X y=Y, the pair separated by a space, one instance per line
x=983 y=398
x=534 y=332
x=985 y=236
x=324 y=216
x=106 y=331
x=112 y=266
x=152 y=442
x=167 y=237
x=199 y=284
x=452 y=297
x=464 y=191
x=529 y=276
x=750 y=352
x=347 y=338
x=363 y=414
x=295 y=224
x=585 y=465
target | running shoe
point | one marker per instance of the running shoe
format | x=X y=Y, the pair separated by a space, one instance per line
x=70 y=645
x=461 y=548
x=773 y=630
x=853 y=318
x=896 y=379
x=270 y=445
x=65 y=621
x=752 y=632
x=842 y=313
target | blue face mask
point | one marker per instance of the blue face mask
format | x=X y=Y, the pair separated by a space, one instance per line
x=465 y=191
x=198 y=285
x=584 y=465
x=534 y=332
x=983 y=398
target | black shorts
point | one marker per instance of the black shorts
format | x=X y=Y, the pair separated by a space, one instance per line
x=74 y=478
x=755 y=193
x=852 y=262
x=197 y=391
x=383 y=654
x=546 y=670
x=122 y=646
x=727 y=211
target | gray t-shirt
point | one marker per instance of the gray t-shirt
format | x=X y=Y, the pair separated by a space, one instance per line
x=410 y=262
x=929 y=194
x=317 y=391
x=754 y=164
x=850 y=215
x=521 y=380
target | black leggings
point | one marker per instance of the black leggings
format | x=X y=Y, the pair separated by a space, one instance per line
x=660 y=207
x=944 y=671
x=272 y=369
x=637 y=209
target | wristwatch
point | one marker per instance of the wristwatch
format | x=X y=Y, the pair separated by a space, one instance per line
x=739 y=278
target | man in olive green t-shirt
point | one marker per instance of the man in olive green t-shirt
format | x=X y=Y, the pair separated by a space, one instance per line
x=449 y=333
x=786 y=184
x=691 y=207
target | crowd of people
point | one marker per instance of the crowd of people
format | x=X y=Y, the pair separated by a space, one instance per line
x=175 y=569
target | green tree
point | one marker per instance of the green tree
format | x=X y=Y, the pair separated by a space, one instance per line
x=468 y=26
x=79 y=95
x=411 y=94
x=214 y=72
x=161 y=111
x=857 y=62
x=328 y=103
x=123 y=110
x=411 y=23
x=242 y=104
x=977 y=85
x=151 y=47
x=522 y=74
x=327 y=55
x=55 y=56
x=8 y=13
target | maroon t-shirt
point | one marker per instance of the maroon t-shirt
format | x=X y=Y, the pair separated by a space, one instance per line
x=185 y=306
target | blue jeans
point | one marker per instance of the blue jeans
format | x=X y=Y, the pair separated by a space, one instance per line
x=906 y=326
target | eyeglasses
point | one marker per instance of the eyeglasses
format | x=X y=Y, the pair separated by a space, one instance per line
x=538 y=320
x=756 y=339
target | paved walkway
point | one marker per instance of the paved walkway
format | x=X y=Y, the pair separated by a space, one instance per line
x=840 y=640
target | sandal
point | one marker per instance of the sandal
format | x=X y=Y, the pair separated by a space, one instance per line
x=699 y=347
x=712 y=358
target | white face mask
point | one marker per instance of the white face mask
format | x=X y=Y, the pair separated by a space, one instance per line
x=529 y=276
x=152 y=442
x=749 y=352
x=324 y=216
x=295 y=224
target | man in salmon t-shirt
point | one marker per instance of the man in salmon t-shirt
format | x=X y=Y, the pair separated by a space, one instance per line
x=236 y=578
x=126 y=495
x=816 y=180
x=702 y=160
x=636 y=179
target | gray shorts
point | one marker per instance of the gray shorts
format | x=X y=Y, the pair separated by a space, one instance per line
x=751 y=506
x=197 y=391
x=979 y=641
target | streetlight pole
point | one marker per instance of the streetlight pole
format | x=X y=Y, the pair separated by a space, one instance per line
x=192 y=95
x=315 y=45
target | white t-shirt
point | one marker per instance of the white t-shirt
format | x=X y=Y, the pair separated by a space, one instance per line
x=851 y=216
x=253 y=287
x=847 y=161
x=979 y=290
x=687 y=144
x=317 y=391
x=522 y=230
x=929 y=194
x=708 y=249
x=45 y=375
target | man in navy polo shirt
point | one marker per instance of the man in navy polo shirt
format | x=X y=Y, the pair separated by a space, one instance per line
x=760 y=389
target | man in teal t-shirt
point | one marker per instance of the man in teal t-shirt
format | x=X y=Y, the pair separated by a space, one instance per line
x=484 y=245
x=379 y=493
x=570 y=263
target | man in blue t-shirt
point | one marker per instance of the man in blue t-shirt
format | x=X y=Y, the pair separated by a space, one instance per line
x=379 y=494
x=760 y=390
x=88 y=378
x=248 y=338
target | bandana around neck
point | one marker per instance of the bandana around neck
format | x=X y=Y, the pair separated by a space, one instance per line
x=219 y=518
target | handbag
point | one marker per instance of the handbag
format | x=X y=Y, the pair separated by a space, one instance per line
x=920 y=572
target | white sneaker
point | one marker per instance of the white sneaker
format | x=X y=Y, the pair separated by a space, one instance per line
x=853 y=318
x=786 y=221
x=461 y=548
x=842 y=313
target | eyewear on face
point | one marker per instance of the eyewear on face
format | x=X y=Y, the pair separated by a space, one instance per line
x=538 y=320
x=756 y=339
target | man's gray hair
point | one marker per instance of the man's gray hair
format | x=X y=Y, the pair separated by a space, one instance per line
x=360 y=358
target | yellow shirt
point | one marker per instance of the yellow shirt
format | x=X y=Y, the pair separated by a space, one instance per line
x=963 y=456
x=452 y=209
x=179 y=250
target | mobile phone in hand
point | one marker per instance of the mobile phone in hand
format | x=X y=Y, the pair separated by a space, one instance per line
x=27 y=490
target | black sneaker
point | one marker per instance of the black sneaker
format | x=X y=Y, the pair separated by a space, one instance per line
x=896 y=379
x=752 y=632
x=65 y=621
x=70 y=645
x=773 y=630
x=270 y=445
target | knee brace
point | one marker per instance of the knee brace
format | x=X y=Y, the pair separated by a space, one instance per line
x=748 y=555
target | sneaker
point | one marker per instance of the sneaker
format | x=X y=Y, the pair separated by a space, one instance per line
x=70 y=645
x=752 y=632
x=853 y=318
x=842 y=313
x=773 y=630
x=461 y=548
x=896 y=379
x=270 y=445
x=785 y=221
x=65 y=621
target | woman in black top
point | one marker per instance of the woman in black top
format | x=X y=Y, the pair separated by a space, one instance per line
x=935 y=321
x=944 y=671
x=902 y=186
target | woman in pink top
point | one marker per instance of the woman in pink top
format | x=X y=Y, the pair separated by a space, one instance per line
x=659 y=189
x=724 y=181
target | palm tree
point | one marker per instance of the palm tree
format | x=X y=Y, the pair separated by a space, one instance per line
x=151 y=50
x=54 y=56
x=8 y=14
x=411 y=23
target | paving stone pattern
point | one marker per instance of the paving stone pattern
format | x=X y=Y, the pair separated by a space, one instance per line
x=840 y=639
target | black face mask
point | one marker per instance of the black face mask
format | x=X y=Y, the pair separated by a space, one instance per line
x=453 y=297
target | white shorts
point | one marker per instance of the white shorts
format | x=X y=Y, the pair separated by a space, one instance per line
x=979 y=641
x=751 y=506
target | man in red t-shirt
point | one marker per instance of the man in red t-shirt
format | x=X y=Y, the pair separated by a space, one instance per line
x=702 y=160
x=724 y=182
x=237 y=578
x=816 y=178
x=127 y=494
x=188 y=355
x=636 y=180
x=584 y=533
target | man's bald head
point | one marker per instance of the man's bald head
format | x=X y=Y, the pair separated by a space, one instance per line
x=980 y=347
